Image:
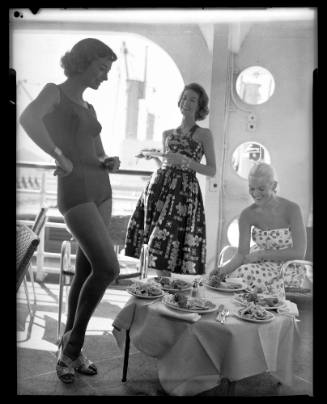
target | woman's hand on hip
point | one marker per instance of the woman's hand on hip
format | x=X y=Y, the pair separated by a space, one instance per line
x=64 y=166
x=114 y=164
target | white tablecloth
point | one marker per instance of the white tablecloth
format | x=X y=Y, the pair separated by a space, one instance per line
x=193 y=356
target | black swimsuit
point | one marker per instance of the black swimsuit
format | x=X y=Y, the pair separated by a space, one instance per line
x=74 y=129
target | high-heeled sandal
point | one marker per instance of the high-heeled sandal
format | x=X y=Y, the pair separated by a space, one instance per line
x=65 y=366
x=84 y=366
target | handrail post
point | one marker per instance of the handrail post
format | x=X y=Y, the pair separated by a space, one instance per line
x=40 y=273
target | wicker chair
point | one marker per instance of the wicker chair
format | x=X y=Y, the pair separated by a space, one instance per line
x=26 y=244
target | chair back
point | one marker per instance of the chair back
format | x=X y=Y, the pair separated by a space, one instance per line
x=40 y=221
x=26 y=244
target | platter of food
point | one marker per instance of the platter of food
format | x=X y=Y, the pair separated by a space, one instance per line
x=150 y=153
x=143 y=290
x=266 y=301
x=230 y=285
x=189 y=304
x=173 y=285
x=255 y=314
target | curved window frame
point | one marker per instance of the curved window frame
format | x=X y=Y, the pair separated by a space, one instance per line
x=253 y=88
x=266 y=151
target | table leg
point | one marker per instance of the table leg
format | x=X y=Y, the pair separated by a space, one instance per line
x=126 y=355
x=231 y=388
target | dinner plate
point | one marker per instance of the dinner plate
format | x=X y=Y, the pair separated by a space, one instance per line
x=224 y=289
x=150 y=153
x=255 y=320
x=167 y=289
x=200 y=311
x=144 y=297
x=243 y=303
x=175 y=290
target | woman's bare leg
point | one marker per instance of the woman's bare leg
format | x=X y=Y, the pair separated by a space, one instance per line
x=89 y=225
x=82 y=270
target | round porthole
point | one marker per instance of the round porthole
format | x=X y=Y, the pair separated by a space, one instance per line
x=233 y=233
x=255 y=85
x=246 y=155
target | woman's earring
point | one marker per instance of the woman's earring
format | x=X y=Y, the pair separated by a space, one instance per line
x=275 y=187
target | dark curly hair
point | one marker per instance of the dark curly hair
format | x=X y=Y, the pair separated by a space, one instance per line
x=203 y=110
x=83 y=53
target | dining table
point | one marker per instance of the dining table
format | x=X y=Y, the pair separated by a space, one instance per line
x=195 y=352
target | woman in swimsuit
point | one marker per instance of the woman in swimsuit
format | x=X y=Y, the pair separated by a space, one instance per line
x=277 y=228
x=65 y=126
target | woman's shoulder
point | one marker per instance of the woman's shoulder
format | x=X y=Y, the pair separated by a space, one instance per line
x=167 y=132
x=288 y=204
x=247 y=213
x=50 y=91
x=202 y=131
x=202 y=134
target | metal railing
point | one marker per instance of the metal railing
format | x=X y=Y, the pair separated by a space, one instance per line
x=44 y=195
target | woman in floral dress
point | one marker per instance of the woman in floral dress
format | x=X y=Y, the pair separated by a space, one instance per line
x=169 y=216
x=277 y=228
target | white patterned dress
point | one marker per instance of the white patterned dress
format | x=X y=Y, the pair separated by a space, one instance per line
x=266 y=275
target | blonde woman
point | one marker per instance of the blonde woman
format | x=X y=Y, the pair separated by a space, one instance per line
x=277 y=228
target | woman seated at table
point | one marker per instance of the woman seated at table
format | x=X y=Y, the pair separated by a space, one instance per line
x=278 y=230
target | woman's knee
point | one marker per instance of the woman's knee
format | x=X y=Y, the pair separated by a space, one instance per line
x=107 y=273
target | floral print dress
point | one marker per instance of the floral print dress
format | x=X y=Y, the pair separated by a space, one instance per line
x=266 y=275
x=169 y=215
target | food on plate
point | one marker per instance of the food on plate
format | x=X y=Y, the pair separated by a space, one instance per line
x=265 y=301
x=175 y=284
x=248 y=297
x=145 y=152
x=254 y=311
x=145 y=289
x=189 y=303
x=268 y=301
x=216 y=279
x=220 y=281
x=181 y=300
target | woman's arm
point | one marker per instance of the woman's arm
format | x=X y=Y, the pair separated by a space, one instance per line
x=243 y=245
x=32 y=121
x=208 y=169
x=32 y=118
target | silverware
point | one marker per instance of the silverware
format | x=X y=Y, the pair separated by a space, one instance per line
x=226 y=314
x=221 y=310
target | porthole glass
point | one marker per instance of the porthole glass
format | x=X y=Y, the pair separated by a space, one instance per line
x=246 y=155
x=233 y=233
x=255 y=85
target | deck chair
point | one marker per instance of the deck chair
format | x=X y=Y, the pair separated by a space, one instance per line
x=26 y=244
x=40 y=221
x=37 y=227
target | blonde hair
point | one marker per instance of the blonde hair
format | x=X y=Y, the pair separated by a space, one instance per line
x=262 y=169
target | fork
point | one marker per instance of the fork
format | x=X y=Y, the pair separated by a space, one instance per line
x=225 y=314
x=221 y=311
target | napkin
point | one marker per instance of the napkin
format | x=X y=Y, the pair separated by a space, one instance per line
x=288 y=308
x=165 y=311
